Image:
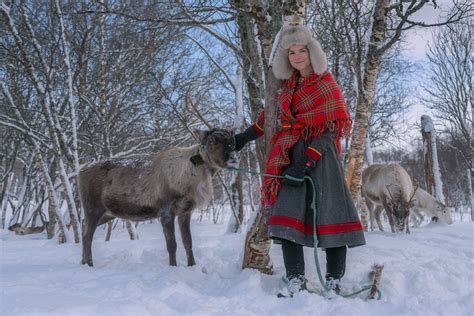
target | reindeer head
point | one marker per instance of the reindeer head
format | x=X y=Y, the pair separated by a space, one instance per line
x=443 y=213
x=400 y=210
x=218 y=146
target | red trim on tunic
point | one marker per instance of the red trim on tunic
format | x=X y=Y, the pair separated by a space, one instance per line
x=312 y=153
x=259 y=124
x=259 y=130
x=329 y=229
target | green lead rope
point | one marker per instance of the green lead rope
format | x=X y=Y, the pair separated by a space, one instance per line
x=316 y=243
x=315 y=235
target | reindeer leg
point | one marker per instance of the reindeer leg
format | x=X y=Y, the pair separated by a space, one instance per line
x=184 y=221
x=370 y=206
x=391 y=222
x=90 y=225
x=167 y=222
x=389 y=212
x=377 y=212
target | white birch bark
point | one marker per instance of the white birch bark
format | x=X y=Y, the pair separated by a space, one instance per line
x=57 y=133
x=44 y=168
x=236 y=219
x=6 y=198
x=369 y=156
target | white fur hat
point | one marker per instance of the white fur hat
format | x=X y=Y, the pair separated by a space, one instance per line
x=296 y=35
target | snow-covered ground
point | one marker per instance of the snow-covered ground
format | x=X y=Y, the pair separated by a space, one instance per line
x=429 y=272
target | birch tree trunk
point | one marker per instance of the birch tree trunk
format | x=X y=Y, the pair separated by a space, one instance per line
x=237 y=196
x=257 y=242
x=5 y=197
x=400 y=20
x=365 y=100
x=132 y=231
x=53 y=201
x=46 y=100
x=471 y=171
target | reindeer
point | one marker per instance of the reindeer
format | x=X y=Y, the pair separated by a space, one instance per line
x=426 y=203
x=168 y=184
x=20 y=230
x=390 y=187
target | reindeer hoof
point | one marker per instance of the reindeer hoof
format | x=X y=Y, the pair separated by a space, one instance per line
x=89 y=262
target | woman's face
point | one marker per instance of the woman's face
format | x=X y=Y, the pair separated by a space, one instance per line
x=299 y=58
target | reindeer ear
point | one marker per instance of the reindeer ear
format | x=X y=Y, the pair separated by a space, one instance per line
x=200 y=135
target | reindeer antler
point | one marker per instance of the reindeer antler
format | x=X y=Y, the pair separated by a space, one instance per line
x=412 y=195
x=390 y=193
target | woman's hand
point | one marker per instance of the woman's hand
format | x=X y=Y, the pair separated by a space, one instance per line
x=243 y=138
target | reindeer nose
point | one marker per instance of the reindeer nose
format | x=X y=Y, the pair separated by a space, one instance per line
x=233 y=160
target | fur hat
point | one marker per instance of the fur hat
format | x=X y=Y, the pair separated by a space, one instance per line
x=296 y=35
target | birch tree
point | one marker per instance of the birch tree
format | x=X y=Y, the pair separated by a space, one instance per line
x=63 y=115
x=389 y=22
x=266 y=19
x=449 y=89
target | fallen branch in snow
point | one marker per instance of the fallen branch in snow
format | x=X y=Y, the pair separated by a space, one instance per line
x=376 y=273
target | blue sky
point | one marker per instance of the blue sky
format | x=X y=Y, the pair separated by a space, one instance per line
x=416 y=45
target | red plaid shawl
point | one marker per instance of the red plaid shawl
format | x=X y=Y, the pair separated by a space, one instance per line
x=318 y=103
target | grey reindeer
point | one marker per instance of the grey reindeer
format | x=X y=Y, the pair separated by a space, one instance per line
x=168 y=184
x=388 y=187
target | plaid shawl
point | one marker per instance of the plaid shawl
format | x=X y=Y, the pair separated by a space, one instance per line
x=309 y=108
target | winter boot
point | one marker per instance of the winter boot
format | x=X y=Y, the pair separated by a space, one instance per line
x=333 y=287
x=294 y=285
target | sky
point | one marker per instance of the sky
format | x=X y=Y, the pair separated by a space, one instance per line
x=416 y=43
x=418 y=38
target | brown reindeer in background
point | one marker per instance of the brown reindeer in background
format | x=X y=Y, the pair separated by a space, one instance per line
x=167 y=184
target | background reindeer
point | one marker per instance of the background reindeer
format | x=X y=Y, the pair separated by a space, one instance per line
x=388 y=187
x=168 y=184
x=424 y=202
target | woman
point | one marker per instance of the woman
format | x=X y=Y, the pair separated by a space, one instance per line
x=314 y=118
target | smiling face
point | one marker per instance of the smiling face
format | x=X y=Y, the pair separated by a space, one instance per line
x=298 y=56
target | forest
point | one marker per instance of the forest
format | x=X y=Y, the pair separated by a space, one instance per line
x=84 y=81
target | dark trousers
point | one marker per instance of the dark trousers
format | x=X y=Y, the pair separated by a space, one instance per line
x=294 y=260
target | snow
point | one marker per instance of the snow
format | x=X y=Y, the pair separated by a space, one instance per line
x=428 y=272
x=427 y=124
